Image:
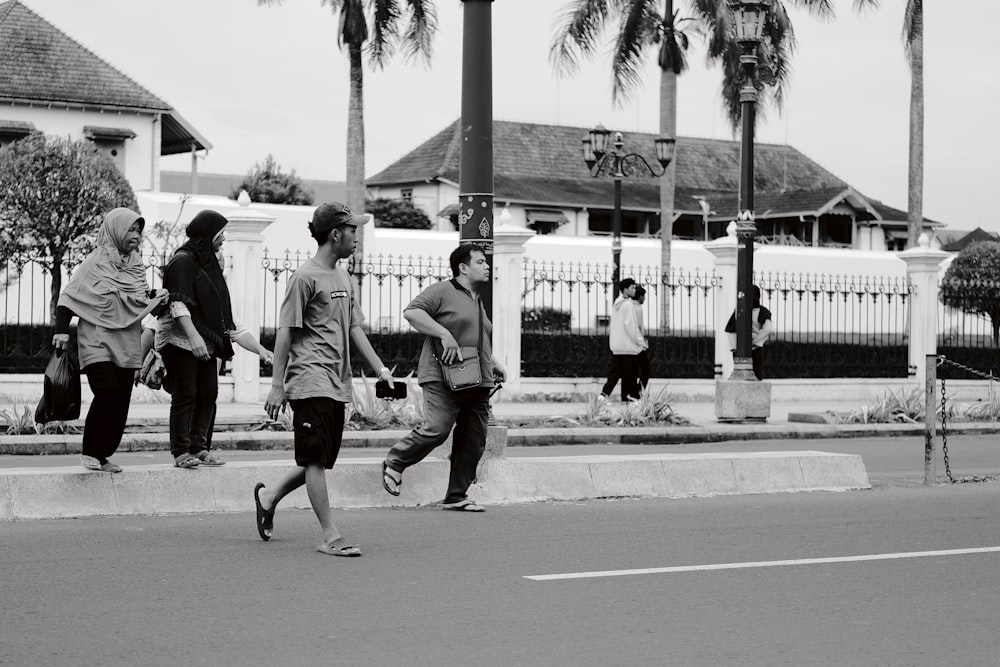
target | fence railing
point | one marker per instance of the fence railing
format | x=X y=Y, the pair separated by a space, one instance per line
x=968 y=321
x=566 y=310
x=836 y=325
x=826 y=325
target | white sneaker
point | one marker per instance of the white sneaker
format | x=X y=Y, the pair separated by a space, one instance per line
x=90 y=463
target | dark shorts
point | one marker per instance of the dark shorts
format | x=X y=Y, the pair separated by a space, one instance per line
x=319 y=429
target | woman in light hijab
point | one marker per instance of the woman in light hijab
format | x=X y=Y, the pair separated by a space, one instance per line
x=110 y=296
x=192 y=336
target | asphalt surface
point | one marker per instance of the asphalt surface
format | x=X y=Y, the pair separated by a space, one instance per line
x=442 y=588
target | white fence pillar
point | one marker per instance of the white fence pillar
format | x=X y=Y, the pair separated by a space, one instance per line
x=724 y=249
x=922 y=266
x=245 y=244
x=508 y=283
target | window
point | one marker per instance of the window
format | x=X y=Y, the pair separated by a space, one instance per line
x=12 y=130
x=545 y=221
x=110 y=141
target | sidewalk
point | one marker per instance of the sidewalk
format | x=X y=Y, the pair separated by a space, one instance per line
x=54 y=485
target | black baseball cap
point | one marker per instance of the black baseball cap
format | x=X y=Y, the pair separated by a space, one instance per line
x=328 y=217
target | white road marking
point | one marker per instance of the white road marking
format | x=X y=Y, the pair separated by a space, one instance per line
x=764 y=563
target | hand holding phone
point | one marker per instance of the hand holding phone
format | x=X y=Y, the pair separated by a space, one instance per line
x=397 y=391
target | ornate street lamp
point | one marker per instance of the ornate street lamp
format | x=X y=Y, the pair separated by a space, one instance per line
x=602 y=161
x=749 y=17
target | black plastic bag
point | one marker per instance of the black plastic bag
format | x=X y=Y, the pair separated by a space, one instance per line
x=61 y=396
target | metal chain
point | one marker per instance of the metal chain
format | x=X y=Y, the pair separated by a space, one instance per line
x=944 y=430
x=944 y=424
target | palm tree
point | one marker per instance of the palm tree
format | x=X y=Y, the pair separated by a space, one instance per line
x=640 y=27
x=913 y=43
x=385 y=17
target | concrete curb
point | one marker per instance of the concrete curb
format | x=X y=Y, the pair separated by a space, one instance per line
x=27 y=445
x=44 y=493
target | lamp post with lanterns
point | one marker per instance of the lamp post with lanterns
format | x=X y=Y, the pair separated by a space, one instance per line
x=602 y=160
x=749 y=19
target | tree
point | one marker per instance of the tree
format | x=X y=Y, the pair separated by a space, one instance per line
x=640 y=27
x=397 y=213
x=972 y=283
x=913 y=44
x=54 y=193
x=385 y=18
x=268 y=184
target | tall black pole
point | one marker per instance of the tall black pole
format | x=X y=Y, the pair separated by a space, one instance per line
x=616 y=234
x=475 y=175
x=746 y=228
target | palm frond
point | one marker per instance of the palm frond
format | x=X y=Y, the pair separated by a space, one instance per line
x=821 y=9
x=385 y=31
x=581 y=24
x=913 y=25
x=861 y=5
x=420 y=29
x=639 y=28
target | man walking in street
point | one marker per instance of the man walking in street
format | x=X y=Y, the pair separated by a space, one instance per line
x=451 y=316
x=320 y=318
x=626 y=341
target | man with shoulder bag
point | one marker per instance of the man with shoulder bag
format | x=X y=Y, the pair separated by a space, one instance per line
x=457 y=334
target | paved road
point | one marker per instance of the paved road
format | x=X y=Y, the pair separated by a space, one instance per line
x=438 y=588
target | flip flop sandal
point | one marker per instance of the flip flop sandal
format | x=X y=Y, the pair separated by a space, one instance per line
x=186 y=461
x=332 y=549
x=389 y=481
x=463 y=506
x=90 y=463
x=207 y=458
x=265 y=518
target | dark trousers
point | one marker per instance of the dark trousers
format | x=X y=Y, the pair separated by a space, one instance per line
x=194 y=388
x=757 y=356
x=105 y=424
x=642 y=369
x=624 y=367
x=468 y=411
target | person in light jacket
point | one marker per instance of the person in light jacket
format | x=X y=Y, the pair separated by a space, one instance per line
x=626 y=342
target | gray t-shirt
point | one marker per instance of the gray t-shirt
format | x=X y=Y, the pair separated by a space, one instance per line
x=321 y=308
x=457 y=310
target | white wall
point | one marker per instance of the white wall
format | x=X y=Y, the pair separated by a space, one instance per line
x=141 y=156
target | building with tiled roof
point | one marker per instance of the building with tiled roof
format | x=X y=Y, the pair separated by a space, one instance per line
x=541 y=178
x=51 y=83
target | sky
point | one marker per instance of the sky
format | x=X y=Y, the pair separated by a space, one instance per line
x=257 y=80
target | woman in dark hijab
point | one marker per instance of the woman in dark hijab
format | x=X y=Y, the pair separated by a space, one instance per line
x=110 y=295
x=192 y=336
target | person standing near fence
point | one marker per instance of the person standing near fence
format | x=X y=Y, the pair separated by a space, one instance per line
x=451 y=315
x=626 y=341
x=192 y=336
x=110 y=296
x=320 y=319
x=761 y=328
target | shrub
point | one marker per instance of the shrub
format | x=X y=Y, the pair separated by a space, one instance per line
x=545 y=319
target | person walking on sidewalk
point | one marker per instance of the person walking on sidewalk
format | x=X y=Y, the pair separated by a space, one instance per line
x=626 y=341
x=761 y=328
x=450 y=314
x=110 y=295
x=319 y=320
x=642 y=359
